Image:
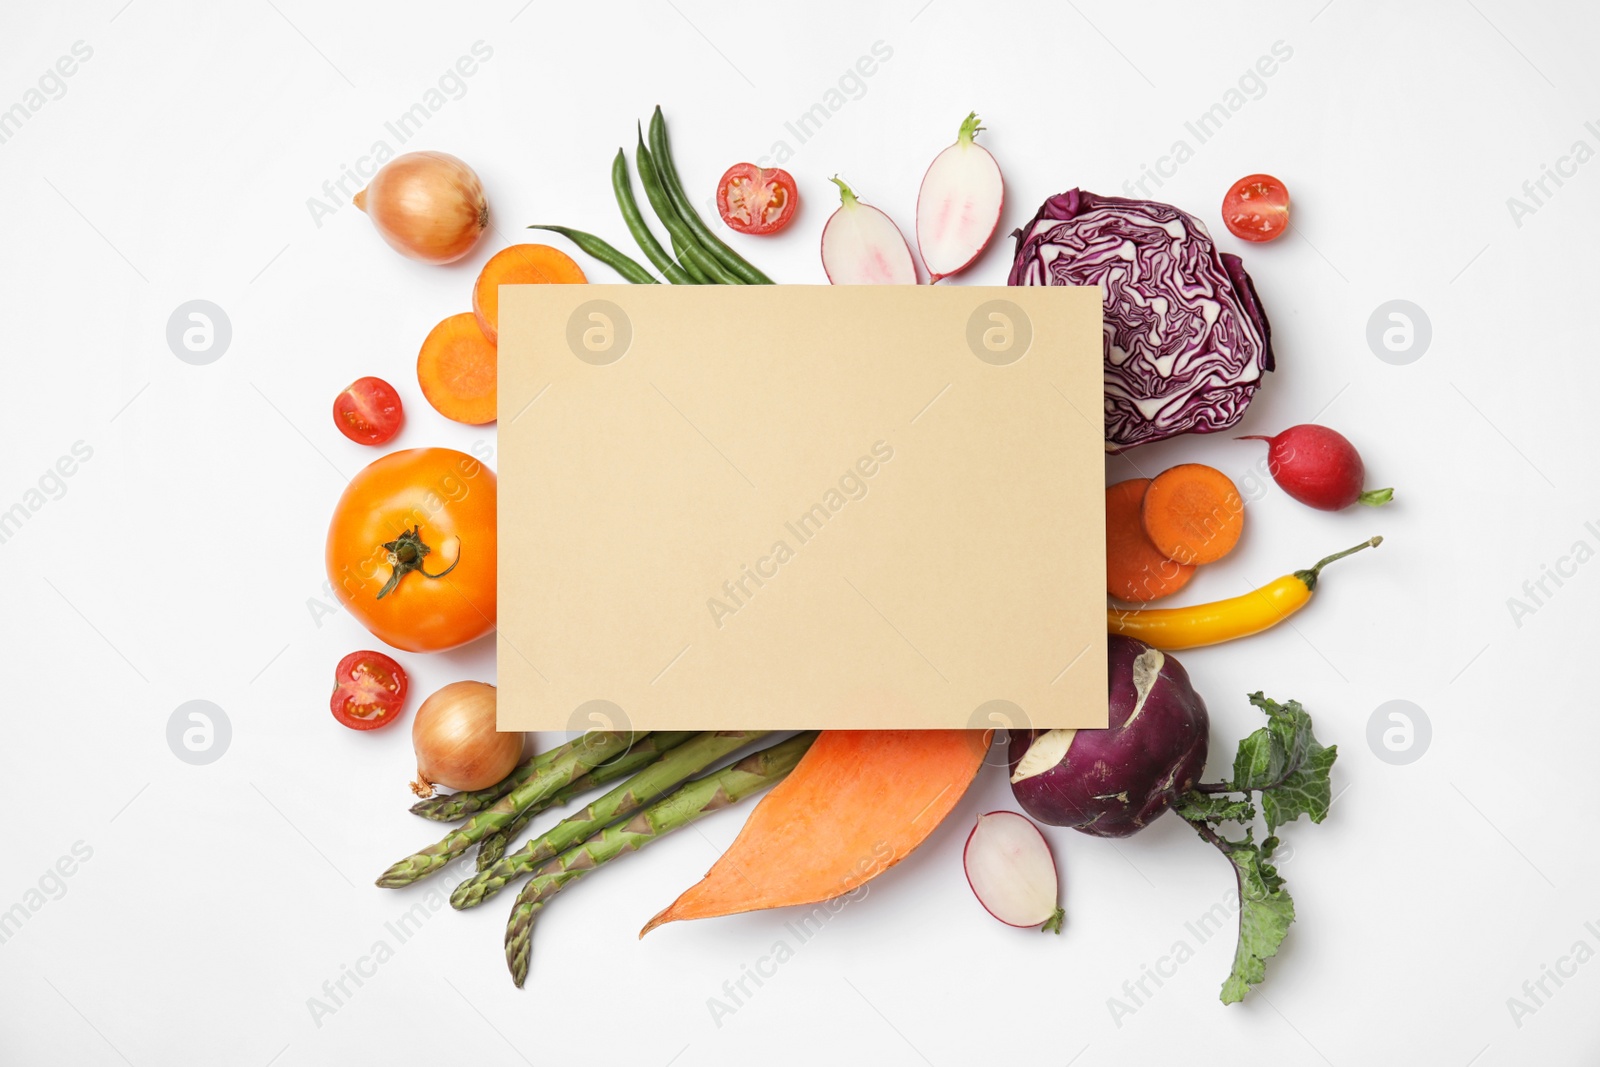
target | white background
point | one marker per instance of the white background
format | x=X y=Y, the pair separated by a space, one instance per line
x=184 y=559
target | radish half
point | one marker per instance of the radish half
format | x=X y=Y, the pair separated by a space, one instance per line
x=1011 y=871
x=862 y=246
x=958 y=207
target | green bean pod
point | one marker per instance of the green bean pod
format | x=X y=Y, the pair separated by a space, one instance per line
x=638 y=227
x=700 y=276
x=680 y=201
x=605 y=253
x=708 y=265
x=683 y=242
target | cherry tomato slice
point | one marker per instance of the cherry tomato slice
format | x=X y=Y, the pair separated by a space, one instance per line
x=369 y=690
x=368 y=411
x=1256 y=208
x=755 y=200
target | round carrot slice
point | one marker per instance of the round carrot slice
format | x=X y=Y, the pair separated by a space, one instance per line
x=519 y=265
x=1192 y=513
x=1135 y=570
x=456 y=369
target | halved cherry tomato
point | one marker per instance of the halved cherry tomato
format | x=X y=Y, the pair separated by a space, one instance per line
x=368 y=411
x=369 y=690
x=757 y=201
x=1256 y=208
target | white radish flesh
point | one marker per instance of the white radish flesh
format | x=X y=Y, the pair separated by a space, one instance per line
x=862 y=246
x=958 y=207
x=1011 y=871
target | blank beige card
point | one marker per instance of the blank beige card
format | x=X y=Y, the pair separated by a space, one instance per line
x=784 y=507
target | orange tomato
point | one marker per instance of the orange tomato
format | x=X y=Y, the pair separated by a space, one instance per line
x=411 y=549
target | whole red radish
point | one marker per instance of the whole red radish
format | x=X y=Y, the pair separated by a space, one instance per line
x=959 y=204
x=1319 y=467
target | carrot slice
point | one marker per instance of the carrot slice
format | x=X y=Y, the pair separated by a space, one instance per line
x=1192 y=513
x=1136 y=571
x=519 y=265
x=456 y=369
x=857 y=804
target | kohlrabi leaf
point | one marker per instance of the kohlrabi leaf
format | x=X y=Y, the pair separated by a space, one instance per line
x=1260 y=762
x=1290 y=769
x=1265 y=912
x=1308 y=791
x=1275 y=751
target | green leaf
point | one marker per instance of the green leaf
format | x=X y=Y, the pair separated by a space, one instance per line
x=1308 y=791
x=1259 y=761
x=1265 y=912
x=1275 y=751
x=1284 y=762
x=1301 y=785
x=1289 y=723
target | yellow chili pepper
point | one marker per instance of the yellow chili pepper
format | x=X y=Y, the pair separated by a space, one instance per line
x=1174 y=629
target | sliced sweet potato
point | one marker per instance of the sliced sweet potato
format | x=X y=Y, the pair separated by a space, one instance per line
x=857 y=804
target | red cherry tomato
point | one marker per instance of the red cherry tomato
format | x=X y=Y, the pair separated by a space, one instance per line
x=368 y=411
x=757 y=201
x=1256 y=208
x=369 y=690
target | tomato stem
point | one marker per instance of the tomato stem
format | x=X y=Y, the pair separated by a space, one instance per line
x=406 y=554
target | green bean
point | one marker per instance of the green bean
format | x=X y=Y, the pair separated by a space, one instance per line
x=638 y=227
x=702 y=233
x=683 y=241
x=588 y=242
x=707 y=263
x=690 y=265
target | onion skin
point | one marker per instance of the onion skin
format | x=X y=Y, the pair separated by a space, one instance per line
x=427 y=205
x=456 y=742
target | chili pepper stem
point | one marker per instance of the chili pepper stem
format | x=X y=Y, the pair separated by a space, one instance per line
x=1310 y=576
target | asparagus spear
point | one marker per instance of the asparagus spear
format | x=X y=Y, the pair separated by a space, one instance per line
x=687 y=804
x=646 y=787
x=493 y=846
x=589 y=752
x=451 y=807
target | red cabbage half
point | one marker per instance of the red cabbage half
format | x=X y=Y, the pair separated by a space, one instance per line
x=1186 y=339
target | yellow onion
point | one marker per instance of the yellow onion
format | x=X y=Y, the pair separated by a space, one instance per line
x=456 y=742
x=427 y=205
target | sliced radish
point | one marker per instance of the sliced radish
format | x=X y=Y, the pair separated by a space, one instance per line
x=862 y=246
x=959 y=204
x=1011 y=871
